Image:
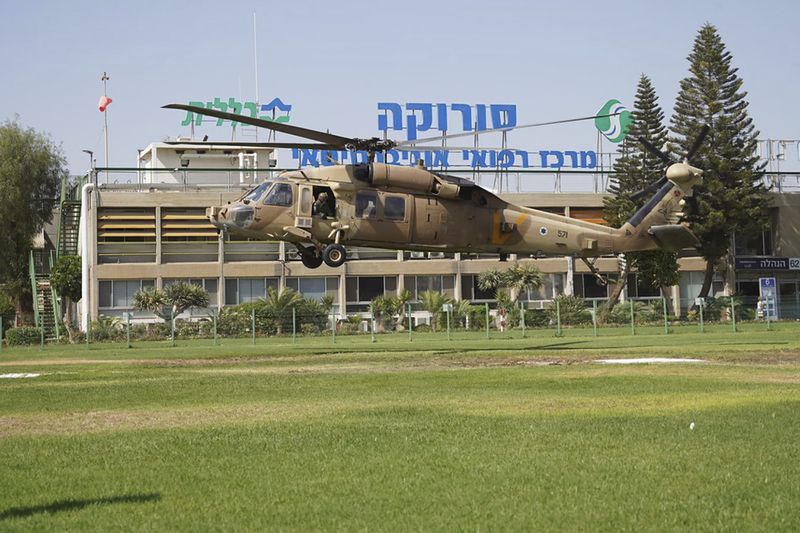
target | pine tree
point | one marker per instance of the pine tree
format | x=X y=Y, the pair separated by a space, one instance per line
x=731 y=197
x=635 y=169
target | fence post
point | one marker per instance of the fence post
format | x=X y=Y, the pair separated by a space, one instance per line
x=88 y=332
x=487 y=319
x=372 y=323
x=41 y=334
x=766 y=310
x=702 y=305
x=594 y=317
x=664 y=308
x=448 y=323
x=253 y=324
x=294 y=324
x=409 y=324
x=215 y=326
x=522 y=317
x=558 y=318
x=333 y=328
x=172 y=325
x=633 y=321
x=128 y=328
x=733 y=314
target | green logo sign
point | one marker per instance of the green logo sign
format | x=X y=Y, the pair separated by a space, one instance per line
x=615 y=127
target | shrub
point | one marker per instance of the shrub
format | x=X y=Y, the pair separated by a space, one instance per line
x=23 y=336
x=536 y=318
x=107 y=328
x=310 y=329
x=573 y=310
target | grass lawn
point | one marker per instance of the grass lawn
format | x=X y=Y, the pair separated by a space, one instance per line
x=429 y=434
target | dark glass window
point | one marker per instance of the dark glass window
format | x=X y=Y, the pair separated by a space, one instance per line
x=281 y=194
x=366 y=204
x=395 y=208
x=369 y=288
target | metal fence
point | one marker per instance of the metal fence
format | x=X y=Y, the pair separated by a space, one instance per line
x=453 y=322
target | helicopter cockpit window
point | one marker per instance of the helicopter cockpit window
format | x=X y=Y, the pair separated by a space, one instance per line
x=366 y=204
x=281 y=194
x=255 y=194
x=394 y=208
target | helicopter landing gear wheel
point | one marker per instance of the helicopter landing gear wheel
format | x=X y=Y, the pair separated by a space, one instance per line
x=334 y=255
x=311 y=261
x=309 y=256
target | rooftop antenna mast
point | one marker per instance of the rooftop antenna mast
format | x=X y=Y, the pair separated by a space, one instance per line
x=255 y=64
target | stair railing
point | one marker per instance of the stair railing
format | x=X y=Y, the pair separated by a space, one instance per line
x=34 y=291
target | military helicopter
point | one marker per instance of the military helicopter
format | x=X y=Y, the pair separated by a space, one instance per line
x=323 y=210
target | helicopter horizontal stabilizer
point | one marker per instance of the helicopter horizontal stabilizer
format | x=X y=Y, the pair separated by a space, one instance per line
x=673 y=237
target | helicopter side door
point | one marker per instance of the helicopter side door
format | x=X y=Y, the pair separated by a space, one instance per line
x=383 y=217
x=430 y=221
x=304 y=204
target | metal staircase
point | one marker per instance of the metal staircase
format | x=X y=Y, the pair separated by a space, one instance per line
x=46 y=308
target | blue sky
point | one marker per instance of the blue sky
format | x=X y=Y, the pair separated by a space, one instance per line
x=335 y=61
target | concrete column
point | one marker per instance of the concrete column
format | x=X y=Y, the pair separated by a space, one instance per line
x=221 y=276
x=282 y=259
x=343 y=291
x=569 y=283
x=676 y=300
x=457 y=285
x=157 y=213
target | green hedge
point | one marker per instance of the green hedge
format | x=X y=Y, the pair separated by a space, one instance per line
x=22 y=336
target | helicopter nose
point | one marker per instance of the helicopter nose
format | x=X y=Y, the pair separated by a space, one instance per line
x=231 y=217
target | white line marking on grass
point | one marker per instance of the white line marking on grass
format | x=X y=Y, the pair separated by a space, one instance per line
x=647 y=360
x=17 y=376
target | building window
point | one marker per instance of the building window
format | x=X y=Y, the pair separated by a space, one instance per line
x=209 y=284
x=243 y=290
x=759 y=243
x=470 y=290
x=637 y=288
x=588 y=286
x=552 y=285
x=315 y=288
x=363 y=289
x=419 y=284
x=119 y=294
x=280 y=195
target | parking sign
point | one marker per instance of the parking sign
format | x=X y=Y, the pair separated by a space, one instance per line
x=769 y=297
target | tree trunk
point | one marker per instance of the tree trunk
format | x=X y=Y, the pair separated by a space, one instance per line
x=665 y=293
x=68 y=321
x=613 y=298
x=709 y=277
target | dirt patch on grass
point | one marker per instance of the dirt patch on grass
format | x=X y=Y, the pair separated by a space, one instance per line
x=120 y=420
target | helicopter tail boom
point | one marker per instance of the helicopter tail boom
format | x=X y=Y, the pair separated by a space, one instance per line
x=656 y=225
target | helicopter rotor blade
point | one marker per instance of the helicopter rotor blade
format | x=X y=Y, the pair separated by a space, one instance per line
x=649 y=190
x=697 y=142
x=223 y=144
x=655 y=151
x=314 y=135
x=495 y=130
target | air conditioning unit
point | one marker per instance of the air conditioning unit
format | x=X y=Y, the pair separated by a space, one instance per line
x=417 y=255
x=435 y=255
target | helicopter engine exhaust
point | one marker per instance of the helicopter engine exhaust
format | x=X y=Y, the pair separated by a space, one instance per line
x=411 y=178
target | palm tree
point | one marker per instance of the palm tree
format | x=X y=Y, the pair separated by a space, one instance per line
x=170 y=302
x=432 y=302
x=517 y=278
x=280 y=305
x=522 y=278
